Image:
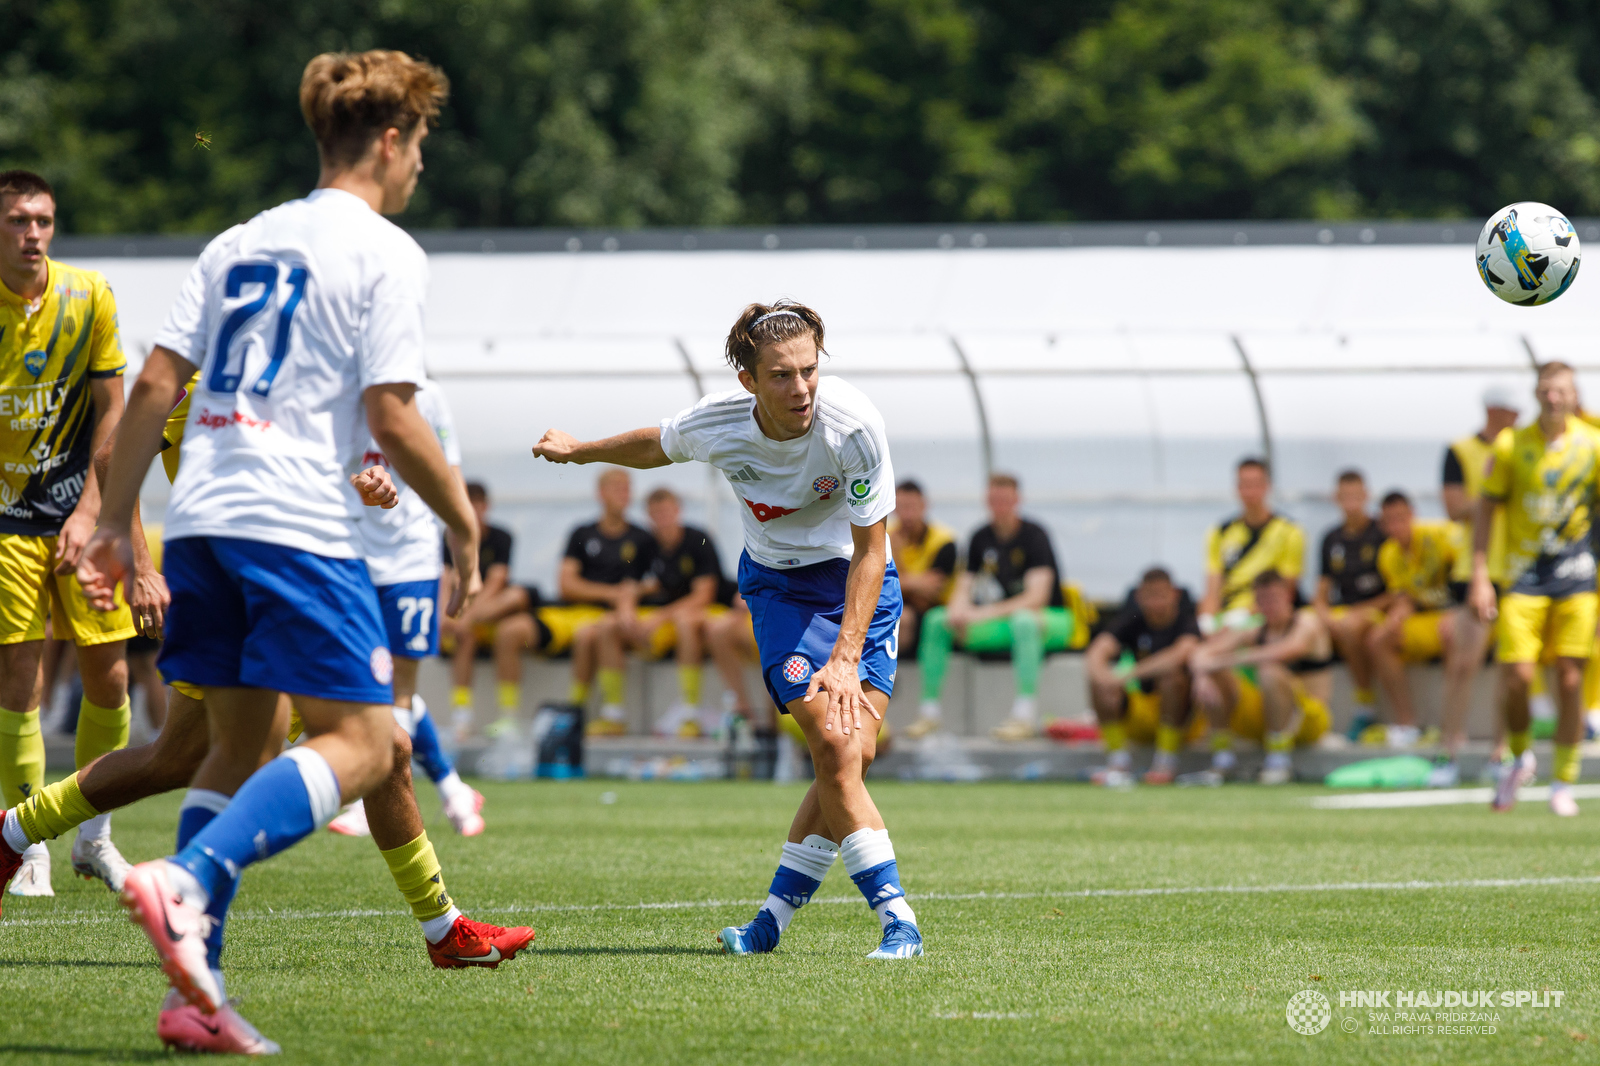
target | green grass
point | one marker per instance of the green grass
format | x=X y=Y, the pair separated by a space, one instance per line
x=1184 y=978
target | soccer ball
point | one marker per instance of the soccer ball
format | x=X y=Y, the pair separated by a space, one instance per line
x=1528 y=253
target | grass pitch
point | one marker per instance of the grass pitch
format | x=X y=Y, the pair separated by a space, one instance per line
x=1039 y=970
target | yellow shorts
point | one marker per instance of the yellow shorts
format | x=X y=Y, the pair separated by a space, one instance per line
x=1532 y=627
x=664 y=637
x=1420 y=638
x=1249 y=716
x=183 y=688
x=1372 y=615
x=1144 y=717
x=563 y=622
x=29 y=590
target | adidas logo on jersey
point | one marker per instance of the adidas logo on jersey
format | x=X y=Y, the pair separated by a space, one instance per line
x=745 y=474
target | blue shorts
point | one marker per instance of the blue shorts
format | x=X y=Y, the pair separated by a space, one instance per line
x=251 y=615
x=409 y=617
x=796 y=615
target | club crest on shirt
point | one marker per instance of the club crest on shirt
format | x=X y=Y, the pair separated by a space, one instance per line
x=34 y=362
x=825 y=486
x=796 y=668
x=382 y=665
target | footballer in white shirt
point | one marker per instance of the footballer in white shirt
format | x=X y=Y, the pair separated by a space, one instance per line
x=810 y=461
x=401 y=545
x=301 y=321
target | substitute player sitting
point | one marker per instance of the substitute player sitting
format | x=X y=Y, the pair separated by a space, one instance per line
x=925 y=555
x=475 y=628
x=1252 y=542
x=1350 y=594
x=677 y=598
x=61 y=396
x=809 y=461
x=1285 y=703
x=1008 y=598
x=1418 y=626
x=1544 y=476
x=1139 y=678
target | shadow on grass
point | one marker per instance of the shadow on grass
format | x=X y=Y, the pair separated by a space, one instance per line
x=103 y=1054
x=664 y=950
x=74 y=962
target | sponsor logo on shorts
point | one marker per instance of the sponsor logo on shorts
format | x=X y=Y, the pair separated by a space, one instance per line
x=767 y=512
x=796 y=668
x=382 y=666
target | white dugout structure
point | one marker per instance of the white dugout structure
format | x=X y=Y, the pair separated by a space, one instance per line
x=1119 y=370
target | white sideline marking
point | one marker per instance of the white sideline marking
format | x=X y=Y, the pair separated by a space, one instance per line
x=1439 y=797
x=952 y=897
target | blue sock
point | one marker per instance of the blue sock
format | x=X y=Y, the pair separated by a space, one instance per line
x=281 y=804
x=426 y=750
x=879 y=884
x=793 y=887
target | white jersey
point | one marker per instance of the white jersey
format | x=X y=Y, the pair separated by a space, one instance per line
x=800 y=496
x=289 y=317
x=402 y=543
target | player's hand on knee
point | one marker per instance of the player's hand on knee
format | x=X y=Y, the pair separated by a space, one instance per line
x=556 y=446
x=375 y=487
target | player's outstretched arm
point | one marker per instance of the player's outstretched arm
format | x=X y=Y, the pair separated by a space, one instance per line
x=410 y=444
x=839 y=679
x=638 y=448
x=108 y=560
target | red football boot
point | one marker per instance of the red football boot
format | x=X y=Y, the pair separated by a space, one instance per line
x=471 y=943
x=10 y=861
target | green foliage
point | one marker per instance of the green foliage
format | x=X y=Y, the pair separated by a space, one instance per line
x=718 y=112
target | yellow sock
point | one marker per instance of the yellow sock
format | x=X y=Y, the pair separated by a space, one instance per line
x=1566 y=763
x=418 y=876
x=21 y=756
x=1280 y=741
x=510 y=694
x=54 y=809
x=1115 y=735
x=1366 y=697
x=100 y=729
x=611 y=686
x=1221 y=740
x=578 y=693
x=1169 y=738
x=689 y=684
x=461 y=696
x=1517 y=742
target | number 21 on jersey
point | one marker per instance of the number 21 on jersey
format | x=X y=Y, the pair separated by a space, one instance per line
x=228 y=355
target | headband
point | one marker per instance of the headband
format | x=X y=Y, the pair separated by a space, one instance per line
x=775 y=314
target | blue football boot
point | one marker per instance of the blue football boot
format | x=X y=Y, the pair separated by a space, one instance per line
x=901 y=940
x=759 y=936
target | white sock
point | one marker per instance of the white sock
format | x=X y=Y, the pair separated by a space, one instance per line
x=216 y=975
x=931 y=709
x=36 y=852
x=1119 y=759
x=781 y=909
x=436 y=929
x=322 y=785
x=864 y=849
x=187 y=886
x=814 y=856
x=1164 y=760
x=614 y=712
x=13 y=832
x=895 y=908
x=407 y=717
x=451 y=786
x=1222 y=759
x=1025 y=709
x=96 y=828
x=1277 y=760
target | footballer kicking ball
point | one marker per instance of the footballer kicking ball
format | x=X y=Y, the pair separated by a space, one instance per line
x=1528 y=253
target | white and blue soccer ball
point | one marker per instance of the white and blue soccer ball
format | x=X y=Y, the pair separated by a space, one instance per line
x=1528 y=253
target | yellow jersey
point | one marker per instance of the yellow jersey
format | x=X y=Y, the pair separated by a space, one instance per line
x=1423 y=572
x=937 y=550
x=48 y=353
x=1548 y=495
x=1465 y=463
x=1237 y=552
x=172 y=434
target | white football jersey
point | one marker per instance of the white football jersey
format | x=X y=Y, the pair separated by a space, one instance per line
x=289 y=317
x=800 y=497
x=402 y=543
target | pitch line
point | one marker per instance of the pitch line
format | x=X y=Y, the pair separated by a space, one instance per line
x=943 y=897
x=1440 y=797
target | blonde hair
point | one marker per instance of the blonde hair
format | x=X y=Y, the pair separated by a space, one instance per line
x=762 y=324
x=350 y=98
